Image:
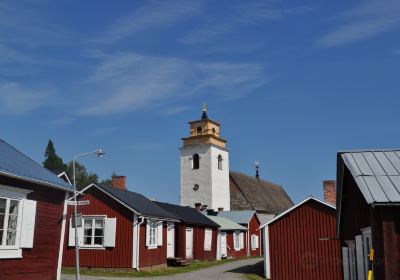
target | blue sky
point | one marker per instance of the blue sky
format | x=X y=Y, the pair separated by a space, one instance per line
x=292 y=82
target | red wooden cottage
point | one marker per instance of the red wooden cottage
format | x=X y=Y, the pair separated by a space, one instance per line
x=300 y=243
x=120 y=229
x=248 y=219
x=231 y=236
x=32 y=210
x=368 y=203
x=196 y=235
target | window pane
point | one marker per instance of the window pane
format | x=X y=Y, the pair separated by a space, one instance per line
x=87 y=224
x=1 y=236
x=87 y=231
x=2 y=206
x=11 y=236
x=2 y=218
x=98 y=223
x=87 y=240
x=98 y=232
x=13 y=207
x=98 y=241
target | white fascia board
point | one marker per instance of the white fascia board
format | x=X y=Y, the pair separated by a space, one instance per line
x=296 y=206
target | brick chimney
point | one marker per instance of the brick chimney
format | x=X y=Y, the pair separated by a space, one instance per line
x=330 y=191
x=119 y=182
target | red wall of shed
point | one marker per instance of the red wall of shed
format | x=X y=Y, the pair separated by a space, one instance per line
x=119 y=256
x=40 y=262
x=231 y=251
x=295 y=249
x=254 y=226
x=152 y=257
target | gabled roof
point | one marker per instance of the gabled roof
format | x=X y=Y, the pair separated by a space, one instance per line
x=187 y=214
x=263 y=196
x=376 y=172
x=296 y=206
x=240 y=217
x=226 y=224
x=15 y=164
x=135 y=201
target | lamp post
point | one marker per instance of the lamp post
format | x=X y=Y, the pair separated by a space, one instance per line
x=100 y=154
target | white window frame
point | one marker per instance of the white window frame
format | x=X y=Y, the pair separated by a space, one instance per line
x=18 y=194
x=152 y=234
x=93 y=219
x=207 y=239
x=3 y=245
x=254 y=242
x=236 y=240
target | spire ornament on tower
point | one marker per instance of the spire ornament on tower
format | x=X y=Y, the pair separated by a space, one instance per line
x=257 y=171
x=204 y=116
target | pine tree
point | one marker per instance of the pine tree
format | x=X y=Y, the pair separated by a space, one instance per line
x=52 y=161
x=82 y=176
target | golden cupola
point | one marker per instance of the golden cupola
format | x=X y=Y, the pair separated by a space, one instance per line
x=204 y=131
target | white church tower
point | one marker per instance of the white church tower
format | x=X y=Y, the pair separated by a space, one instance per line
x=205 y=166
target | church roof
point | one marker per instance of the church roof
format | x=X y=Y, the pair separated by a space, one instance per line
x=263 y=196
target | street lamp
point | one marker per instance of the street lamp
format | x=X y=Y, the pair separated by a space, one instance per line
x=100 y=154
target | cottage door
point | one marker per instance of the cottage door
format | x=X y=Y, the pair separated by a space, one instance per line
x=170 y=240
x=189 y=243
x=223 y=245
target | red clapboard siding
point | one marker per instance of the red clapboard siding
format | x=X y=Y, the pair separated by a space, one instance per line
x=151 y=257
x=119 y=256
x=296 y=251
x=40 y=262
x=254 y=226
x=231 y=251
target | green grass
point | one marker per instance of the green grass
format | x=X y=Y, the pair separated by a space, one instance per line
x=195 y=265
x=253 y=277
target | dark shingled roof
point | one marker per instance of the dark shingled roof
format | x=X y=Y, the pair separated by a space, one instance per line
x=187 y=214
x=138 y=202
x=15 y=164
x=262 y=195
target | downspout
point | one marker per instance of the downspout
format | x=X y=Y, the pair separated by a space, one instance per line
x=138 y=243
x=248 y=233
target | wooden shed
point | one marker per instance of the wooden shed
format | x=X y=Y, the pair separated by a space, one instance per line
x=300 y=243
x=32 y=218
x=368 y=203
x=196 y=235
x=119 y=229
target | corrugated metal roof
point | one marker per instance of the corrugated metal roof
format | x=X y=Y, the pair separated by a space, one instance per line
x=377 y=174
x=240 y=217
x=14 y=163
x=226 y=224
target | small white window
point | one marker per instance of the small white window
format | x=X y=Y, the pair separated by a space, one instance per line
x=154 y=234
x=236 y=240
x=207 y=239
x=9 y=223
x=254 y=242
x=93 y=231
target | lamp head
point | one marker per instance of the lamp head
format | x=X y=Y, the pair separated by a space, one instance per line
x=100 y=153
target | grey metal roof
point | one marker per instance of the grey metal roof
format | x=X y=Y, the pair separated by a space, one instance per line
x=226 y=224
x=187 y=214
x=14 y=163
x=376 y=172
x=240 y=217
x=138 y=202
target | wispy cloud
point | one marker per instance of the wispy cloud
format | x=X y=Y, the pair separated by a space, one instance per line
x=236 y=17
x=364 y=21
x=16 y=99
x=154 y=14
x=397 y=51
x=127 y=82
x=174 y=110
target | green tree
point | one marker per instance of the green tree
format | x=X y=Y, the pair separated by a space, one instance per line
x=83 y=177
x=52 y=161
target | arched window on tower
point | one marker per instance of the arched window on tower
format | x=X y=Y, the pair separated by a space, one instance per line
x=219 y=162
x=199 y=130
x=196 y=161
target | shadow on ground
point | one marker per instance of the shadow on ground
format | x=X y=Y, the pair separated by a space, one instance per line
x=256 y=269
